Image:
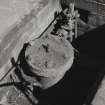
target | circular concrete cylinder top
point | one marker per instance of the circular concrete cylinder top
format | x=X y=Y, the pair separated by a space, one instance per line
x=50 y=57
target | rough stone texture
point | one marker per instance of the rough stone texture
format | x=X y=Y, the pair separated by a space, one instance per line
x=24 y=23
x=31 y=22
x=50 y=58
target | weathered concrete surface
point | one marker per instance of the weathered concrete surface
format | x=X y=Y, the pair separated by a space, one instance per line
x=31 y=25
